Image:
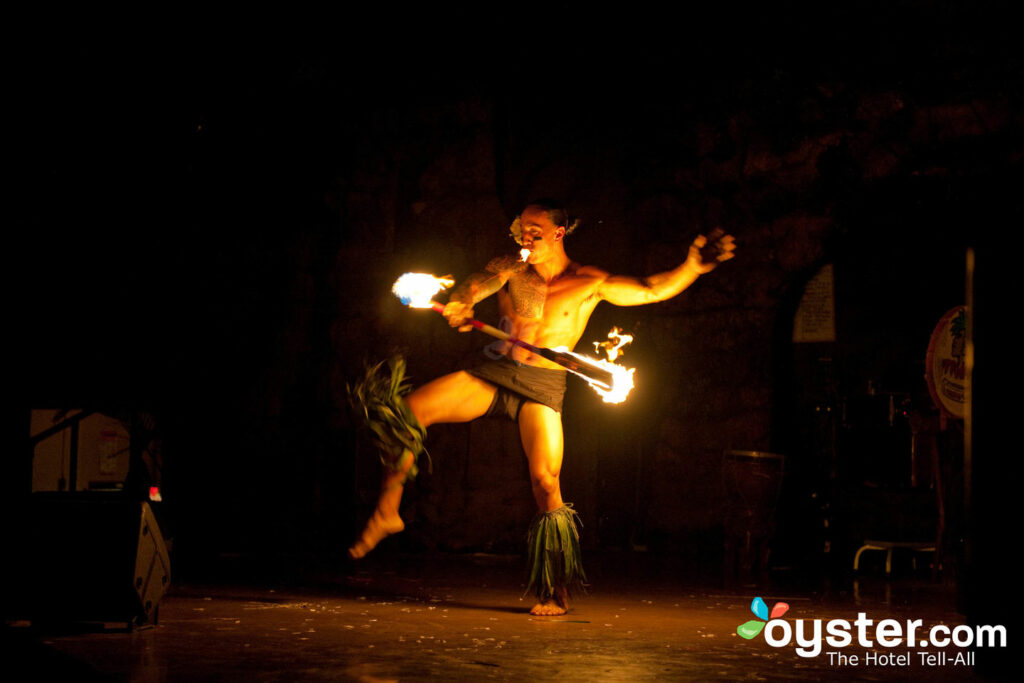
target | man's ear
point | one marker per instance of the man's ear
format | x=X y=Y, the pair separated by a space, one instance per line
x=559 y=233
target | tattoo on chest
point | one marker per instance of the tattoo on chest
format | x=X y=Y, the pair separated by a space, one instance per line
x=528 y=292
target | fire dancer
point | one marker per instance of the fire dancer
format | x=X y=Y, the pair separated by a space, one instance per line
x=548 y=299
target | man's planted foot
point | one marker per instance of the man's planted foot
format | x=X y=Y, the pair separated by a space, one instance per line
x=555 y=606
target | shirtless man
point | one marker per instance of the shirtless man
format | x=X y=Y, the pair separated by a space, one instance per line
x=548 y=299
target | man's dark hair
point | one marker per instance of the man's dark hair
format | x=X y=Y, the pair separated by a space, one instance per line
x=557 y=213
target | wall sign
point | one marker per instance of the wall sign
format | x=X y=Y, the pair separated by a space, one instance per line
x=815 y=319
x=945 y=367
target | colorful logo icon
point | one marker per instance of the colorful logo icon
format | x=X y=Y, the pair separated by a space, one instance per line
x=751 y=628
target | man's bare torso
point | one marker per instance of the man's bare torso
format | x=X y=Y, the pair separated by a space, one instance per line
x=552 y=314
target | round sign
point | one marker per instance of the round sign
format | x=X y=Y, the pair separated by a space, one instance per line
x=945 y=364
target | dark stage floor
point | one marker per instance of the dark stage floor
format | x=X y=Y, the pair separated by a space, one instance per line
x=401 y=618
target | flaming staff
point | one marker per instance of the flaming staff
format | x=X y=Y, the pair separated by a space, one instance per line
x=612 y=382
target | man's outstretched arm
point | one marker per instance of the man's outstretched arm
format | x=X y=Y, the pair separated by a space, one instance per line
x=705 y=253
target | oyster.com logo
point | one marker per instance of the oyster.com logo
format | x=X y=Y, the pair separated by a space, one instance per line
x=900 y=638
x=752 y=628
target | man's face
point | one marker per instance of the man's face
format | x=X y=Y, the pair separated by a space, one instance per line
x=540 y=235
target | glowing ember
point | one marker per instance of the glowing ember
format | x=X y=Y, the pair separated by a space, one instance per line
x=622 y=378
x=616 y=340
x=417 y=289
x=524 y=254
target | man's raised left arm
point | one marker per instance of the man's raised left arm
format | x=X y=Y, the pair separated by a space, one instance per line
x=705 y=254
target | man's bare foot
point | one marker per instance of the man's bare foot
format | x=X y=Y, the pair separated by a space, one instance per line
x=555 y=606
x=379 y=527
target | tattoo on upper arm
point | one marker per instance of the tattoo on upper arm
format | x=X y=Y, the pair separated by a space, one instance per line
x=505 y=265
x=484 y=283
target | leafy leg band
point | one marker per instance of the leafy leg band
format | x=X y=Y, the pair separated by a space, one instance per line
x=554 y=558
x=377 y=398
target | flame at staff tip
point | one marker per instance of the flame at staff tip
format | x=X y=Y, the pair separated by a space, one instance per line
x=524 y=254
x=417 y=289
x=622 y=378
x=616 y=340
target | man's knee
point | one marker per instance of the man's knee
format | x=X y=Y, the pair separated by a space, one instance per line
x=418 y=410
x=424 y=406
x=545 y=482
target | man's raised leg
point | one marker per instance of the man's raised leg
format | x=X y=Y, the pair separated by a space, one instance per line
x=457 y=397
x=385 y=519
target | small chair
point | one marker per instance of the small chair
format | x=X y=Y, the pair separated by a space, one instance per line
x=889 y=546
x=923 y=437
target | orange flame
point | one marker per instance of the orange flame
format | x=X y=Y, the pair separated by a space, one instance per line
x=616 y=340
x=417 y=289
x=622 y=378
x=524 y=254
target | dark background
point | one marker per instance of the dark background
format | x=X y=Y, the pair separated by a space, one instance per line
x=208 y=216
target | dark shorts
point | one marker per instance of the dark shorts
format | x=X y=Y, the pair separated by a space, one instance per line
x=518 y=383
